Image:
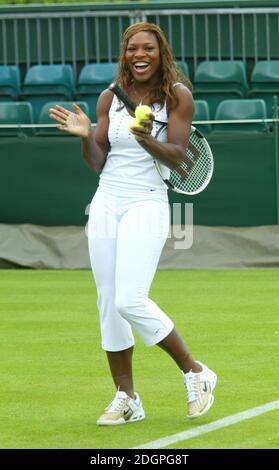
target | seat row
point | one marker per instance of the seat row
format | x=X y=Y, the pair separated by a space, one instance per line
x=216 y=81
x=15 y=114
x=46 y=83
x=213 y=81
x=21 y=113
x=232 y=110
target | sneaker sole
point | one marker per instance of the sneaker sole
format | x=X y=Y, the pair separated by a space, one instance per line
x=133 y=419
x=210 y=401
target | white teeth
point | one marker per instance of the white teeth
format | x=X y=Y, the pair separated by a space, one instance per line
x=141 y=64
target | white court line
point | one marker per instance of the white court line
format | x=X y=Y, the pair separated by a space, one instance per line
x=204 y=429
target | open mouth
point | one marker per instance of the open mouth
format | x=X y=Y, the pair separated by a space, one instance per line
x=141 y=66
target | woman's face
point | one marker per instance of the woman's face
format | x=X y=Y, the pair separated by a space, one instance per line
x=143 y=56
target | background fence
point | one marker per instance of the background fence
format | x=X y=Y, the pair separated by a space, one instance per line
x=93 y=35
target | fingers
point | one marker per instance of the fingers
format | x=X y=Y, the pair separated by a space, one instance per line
x=62 y=120
x=142 y=133
x=61 y=111
x=60 y=114
x=64 y=113
x=77 y=109
x=62 y=127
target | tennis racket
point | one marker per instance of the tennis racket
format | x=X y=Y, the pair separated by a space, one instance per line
x=195 y=171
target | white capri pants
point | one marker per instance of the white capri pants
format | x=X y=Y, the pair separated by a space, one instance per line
x=126 y=236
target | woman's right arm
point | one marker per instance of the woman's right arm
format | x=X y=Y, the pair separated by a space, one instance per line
x=95 y=143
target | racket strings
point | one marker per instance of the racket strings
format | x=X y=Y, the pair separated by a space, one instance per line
x=193 y=172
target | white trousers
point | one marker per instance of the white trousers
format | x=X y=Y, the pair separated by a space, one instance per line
x=126 y=237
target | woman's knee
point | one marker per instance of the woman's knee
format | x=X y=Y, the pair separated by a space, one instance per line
x=126 y=304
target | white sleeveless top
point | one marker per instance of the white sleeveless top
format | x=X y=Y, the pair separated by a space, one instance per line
x=128 y=166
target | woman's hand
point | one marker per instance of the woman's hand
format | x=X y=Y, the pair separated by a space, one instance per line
x=76 y=123
x=143 y=132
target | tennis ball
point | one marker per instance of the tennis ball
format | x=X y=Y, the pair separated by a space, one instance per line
x=142 y=112
x=135 y=123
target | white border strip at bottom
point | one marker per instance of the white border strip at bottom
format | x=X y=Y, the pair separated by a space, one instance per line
x=220 y=423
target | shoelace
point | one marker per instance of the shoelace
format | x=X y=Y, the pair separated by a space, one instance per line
x=117 y=403
x=192 y=388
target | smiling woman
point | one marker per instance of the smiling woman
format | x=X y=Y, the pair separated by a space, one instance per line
x=143 y=55
x=129 y=214
x=147 y=59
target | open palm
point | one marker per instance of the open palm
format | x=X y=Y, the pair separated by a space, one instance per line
x=74 y=122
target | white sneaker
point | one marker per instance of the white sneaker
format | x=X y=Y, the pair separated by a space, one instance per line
x=199 y=388
x=123 y=409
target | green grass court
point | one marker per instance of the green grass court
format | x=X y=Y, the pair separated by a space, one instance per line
x=55 y=380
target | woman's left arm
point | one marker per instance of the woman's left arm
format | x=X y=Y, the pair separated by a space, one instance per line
x=172 y=152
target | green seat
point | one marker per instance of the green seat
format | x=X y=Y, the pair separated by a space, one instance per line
x=44 y=83
x=202 y=114
x=241 y=110
x=44 y=117
x=265 y=83
x=16 y=113
x=91 y=99
x=96 y=75
x=216 y=81
x=9 y=82
x=183 y=66
x=93 y=79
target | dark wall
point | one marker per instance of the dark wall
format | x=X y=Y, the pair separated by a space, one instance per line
x=43 y=180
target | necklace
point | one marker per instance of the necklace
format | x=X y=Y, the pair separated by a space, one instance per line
x=138 y=95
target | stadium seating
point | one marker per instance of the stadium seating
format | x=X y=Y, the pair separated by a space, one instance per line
x=9 y=83
x=216 y=81
x=184 y=68
x=45 y=119
x=44 y=83
x=265 y=83
x=16 y=113
x=241 y=109
x=216 y=84
x=93 y=79
x=202 y=114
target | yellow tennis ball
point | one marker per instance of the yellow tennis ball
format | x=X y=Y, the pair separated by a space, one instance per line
x=142 y=112
x=135 y=123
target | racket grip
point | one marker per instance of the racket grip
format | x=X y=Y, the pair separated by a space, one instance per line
x=122 y=95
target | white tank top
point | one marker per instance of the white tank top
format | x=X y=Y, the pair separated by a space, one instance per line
x=128 y=166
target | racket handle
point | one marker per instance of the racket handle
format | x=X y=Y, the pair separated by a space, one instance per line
x=122 y=95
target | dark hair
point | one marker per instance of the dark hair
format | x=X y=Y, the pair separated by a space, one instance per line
x=169 y=72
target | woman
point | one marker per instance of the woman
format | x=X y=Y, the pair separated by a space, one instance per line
x=129 y=216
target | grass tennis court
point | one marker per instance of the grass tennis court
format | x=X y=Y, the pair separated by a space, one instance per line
x=55 y=380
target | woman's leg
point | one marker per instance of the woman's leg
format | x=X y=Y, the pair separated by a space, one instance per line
x=120 y=363
x=143 y=230
x=176 y=348
x=142 y=235
x=117 y=337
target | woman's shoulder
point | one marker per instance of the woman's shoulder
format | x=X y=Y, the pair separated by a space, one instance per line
x=183 y=96
x=105 y=99
x=180 y=88
x=184 y=100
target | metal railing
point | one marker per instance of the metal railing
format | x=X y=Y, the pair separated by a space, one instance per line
x=195 y=123
x=80 y=37
x=237 y=32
